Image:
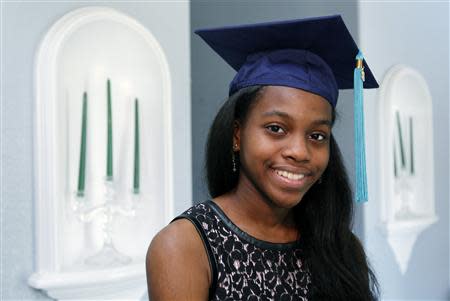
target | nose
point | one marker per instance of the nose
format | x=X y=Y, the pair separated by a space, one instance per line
x=297 y=149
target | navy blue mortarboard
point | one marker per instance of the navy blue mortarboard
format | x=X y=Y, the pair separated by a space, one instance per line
x=317 y=55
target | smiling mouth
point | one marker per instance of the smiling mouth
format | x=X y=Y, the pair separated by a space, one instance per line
x=290 y=175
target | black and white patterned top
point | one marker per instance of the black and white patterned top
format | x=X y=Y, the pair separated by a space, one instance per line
x=246 y=268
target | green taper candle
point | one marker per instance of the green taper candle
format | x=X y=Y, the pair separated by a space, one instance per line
x=411 y=146
x=395 y=161
x=82 y=166
x=109 y=155
x=400 y=136
x=136 y=147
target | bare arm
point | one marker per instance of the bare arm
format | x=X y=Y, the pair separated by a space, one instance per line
x=177 y=264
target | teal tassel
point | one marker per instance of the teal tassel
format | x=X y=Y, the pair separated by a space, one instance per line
x=360 y=152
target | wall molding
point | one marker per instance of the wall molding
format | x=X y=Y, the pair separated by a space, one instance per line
x=57 y=271
x=407 y=161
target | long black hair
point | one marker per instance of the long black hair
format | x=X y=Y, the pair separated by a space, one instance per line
x=334 y=255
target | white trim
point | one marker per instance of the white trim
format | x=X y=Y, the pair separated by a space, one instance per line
x=49 y=274
x=400 y=91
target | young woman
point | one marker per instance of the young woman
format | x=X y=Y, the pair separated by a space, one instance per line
x=278 y=226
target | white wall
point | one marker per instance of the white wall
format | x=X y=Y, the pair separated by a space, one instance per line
x=415 y=33
x=23 y=26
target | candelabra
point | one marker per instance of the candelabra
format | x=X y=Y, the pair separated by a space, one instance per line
x=108 y=212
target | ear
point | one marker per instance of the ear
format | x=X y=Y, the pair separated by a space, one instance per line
x=236 y=136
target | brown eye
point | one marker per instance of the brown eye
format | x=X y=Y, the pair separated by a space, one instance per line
x=275 y=129
x=318 y=137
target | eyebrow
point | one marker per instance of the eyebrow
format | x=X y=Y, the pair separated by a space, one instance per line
x=322 y=122
x=286 y=115
x=277 y=113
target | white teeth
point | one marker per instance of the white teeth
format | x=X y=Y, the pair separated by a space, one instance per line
x=290 y=175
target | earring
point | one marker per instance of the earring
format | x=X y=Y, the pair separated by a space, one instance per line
x=233 y=157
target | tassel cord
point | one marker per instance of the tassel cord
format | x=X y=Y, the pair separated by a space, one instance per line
x=360 y=162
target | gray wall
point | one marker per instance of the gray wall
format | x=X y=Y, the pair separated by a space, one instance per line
x=415 y=34
x=23 y=26
x=211 y=75
x=411 y=33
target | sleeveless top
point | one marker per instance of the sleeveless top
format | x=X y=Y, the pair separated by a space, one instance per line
x=244 y=267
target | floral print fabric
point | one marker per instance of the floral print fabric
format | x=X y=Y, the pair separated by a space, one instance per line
x=247 y=268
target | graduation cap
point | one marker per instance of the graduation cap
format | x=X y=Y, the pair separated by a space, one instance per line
x=317 y=55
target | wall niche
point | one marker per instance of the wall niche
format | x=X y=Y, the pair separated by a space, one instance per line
x=103 y=151
x=407 y=164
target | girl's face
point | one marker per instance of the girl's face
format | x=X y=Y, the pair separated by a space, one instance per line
x=284 y=144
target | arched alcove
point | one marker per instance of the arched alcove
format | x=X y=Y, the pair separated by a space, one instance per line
x=407 y=164
x=79 y=54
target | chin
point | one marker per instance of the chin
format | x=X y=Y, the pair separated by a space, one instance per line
x=287 y=202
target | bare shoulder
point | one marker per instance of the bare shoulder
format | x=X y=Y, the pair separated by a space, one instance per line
x=175 y=237
x=177 y=264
